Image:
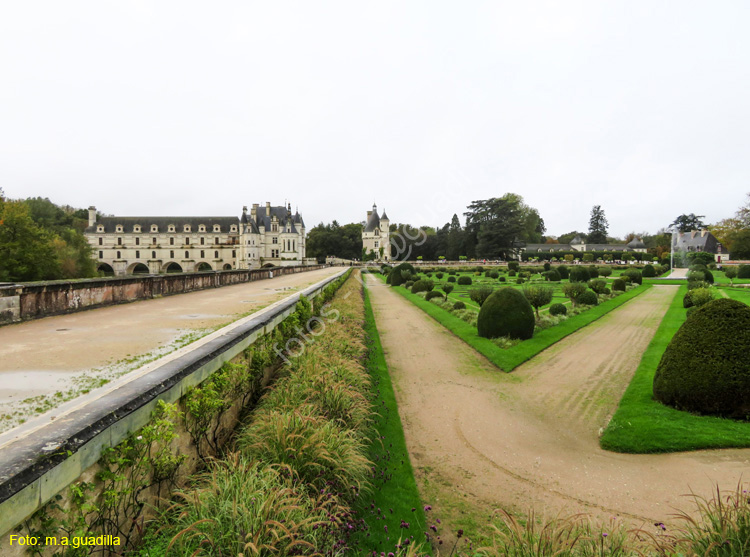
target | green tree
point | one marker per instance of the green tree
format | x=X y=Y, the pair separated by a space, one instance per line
x=447 y=288
x=731 y=274
x=455 y=240
x=336 y=240
x=567 y=237
x=480 y=295
x=26 y=251
x=686 y=223
x=741 y=245
x=597 y=226
x=538 y=296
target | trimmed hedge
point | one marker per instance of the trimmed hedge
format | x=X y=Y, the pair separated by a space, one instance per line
x=705 y=368
x=422 y=285
x=506 y=313
x=433 y=294
x=579 y=274
x=649 y=271
x=587 y=298
x=558 y=309
x=459 y=305
x=395 y=277
x=564 y=272
x=464 y=280
x=743 y=272
x=635 y=275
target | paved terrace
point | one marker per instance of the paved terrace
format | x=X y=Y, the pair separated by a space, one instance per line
x=50 y=355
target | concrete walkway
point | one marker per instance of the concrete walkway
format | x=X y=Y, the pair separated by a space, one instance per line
x=42 y=357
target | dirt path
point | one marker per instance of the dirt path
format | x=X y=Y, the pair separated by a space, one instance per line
x=39 y=357
x=485 y=439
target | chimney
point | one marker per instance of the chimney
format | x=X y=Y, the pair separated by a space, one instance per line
x=268 y=208
x=254 y=210
x=368 y=214
x=703 y=232
x=92 y=215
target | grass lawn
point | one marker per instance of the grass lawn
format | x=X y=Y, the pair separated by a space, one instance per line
x=508 y=359
x=642 y=425
x=395 y=491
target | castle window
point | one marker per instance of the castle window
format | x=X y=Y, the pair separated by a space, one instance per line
x=118 y=255
x=216 y=241
x=153 y=241
x=101 y=240
x=234 y=228
x=171 y=254
x=274 y=240
x=137 y=241
x=216 y=255
x=171 y=241
x=203 y=254
x=119 y=228
x=187 y=241
x=187 y=254
x=274 y=227
x=234 y=253
x=153 y=255
x=100 y=228
x=119 y=241
x=137 y=254
x=101 y=255
x=201 y=228
x=217 y=228
x=376 y=243
x=203 y=240
x=154 y=228
x=137 y=228
x=171 y=227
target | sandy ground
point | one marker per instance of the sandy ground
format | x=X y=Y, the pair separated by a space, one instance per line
x=529 y=439
x=39 y=357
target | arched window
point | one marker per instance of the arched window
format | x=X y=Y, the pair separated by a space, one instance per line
x=217 y=228
x=171 y=254
x=203 y=254
x=187 y=254
x=171 y=227
x=153 y=255
x=216 y=255
x=118 y=255
x=154 y=228
x=137 y=254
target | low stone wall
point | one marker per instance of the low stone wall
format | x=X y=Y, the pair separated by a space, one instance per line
x=39 y=462
x=40 y=299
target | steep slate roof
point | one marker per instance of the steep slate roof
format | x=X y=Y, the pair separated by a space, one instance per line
x=281 y=213
x=384 y=216
x=373 y=221
x=110 y=223
x=547 y=247
x=693 y=241
x=577 y=241
x=636 y=243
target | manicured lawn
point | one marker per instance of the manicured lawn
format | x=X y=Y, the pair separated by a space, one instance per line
x=642 y=425
x=508 y=359
x=741 y=294
x=395 y=491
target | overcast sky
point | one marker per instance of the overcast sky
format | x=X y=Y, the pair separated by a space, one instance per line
x=198 y=108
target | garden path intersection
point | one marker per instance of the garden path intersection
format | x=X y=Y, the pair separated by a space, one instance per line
x=529 y=439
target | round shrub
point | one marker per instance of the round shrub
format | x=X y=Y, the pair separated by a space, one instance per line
x=587 y=298
x=649 y=271
x=433 y=294
x=598 y=285
x=605 y=271
x=709 y=276
x=564 y=272
x=451 y=279
x=494 y=274
x=634 y=274
x=743 y=271
x=511 y=273
x=705 y=368
x=546 y=266
x=593 y=271
x=396 y=276
x=506 y=312
x=619 y=284
x=439 y=275
x=695 y=276
x=422 y=285
x=459 y=305
x=579 y=274
x=693 y=284
x=513 y=265
x=558 y=309
x=464 y=280
x=520 y=280
x=452 y=272
x=552 y=276
x=501 y=279
x=697 y=297
x=408 y=284
x=606 y=291
x=428 y=275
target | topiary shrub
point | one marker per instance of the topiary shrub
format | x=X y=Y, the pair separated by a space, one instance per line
x=598 y=285
x=697 y=297
x=513 y=266
x=464 y=280
x=696 y=276
x=511 y=273
x=433 y=294
x=494 y=274
x=593 y=271
x=451 y=279
x=709 y=276
x=605 y=271
x=501 y=279
x=520 y=280
x=506 y=313
x=480 y=295
x=400 y=274
x=564 y=272
x=558 y=309
x=408 y=284
x=573 y=289
x=705 y=368
x=649 y=271
x=694 y=284
x=743 y=271
x=579 y=274
x=587 y=298
x=552 y=276
x=634 y=274
x=422 y=285
x=546 y=266
x=452 y=272
x=459 y=305
x=439 y=275
x=619 y=284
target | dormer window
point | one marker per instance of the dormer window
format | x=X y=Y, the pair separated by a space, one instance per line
x=171 y=227
x=154 y=228
x=217 y=228
x=100 y=228
x=186 y=228
x=201 y=228
x=234 y=228
x=118 y=228
x=137 y=228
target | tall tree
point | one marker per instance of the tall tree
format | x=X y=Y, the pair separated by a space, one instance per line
x=686 y=223
x=501 y=225
x=455 y=241
x=26 y=251
x=597 y=226
x=336 y=240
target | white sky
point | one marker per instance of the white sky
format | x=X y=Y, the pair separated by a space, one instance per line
x=198 y=108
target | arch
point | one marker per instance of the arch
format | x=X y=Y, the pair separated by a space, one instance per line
x=203 y=266
x=171 y=267
x=268 y=265
x=106 y=269
x=227 y=267
x=138 y=269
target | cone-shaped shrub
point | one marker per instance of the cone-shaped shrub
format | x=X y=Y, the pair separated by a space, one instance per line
x=705 y=368
x=506 y=312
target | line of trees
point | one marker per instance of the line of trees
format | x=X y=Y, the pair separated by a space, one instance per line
x=42 y=241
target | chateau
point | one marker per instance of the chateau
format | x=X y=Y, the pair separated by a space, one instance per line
x=268 y=236
x=376 y=235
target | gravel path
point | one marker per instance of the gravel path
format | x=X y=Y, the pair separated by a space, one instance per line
x=529 y=439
